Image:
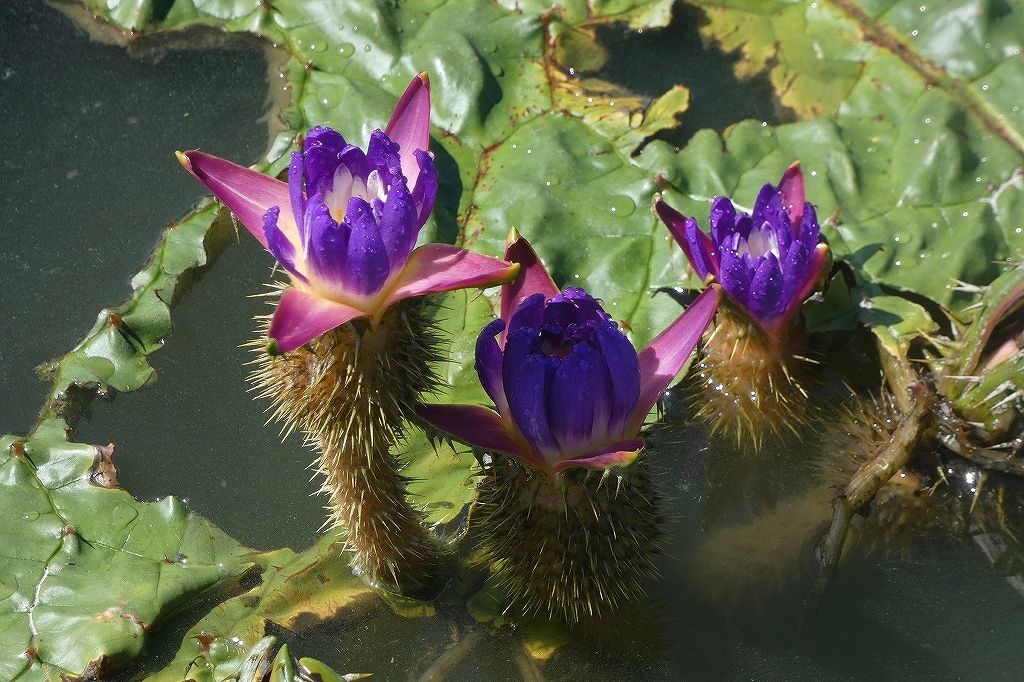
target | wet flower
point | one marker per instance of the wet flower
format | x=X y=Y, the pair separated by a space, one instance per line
x=769 y=261
x=345 y=224
x=568 y=386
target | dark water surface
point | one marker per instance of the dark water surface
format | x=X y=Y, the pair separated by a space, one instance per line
x=729 y=603
x=88 y=178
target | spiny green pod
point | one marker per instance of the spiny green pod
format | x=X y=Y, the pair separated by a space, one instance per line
x=768 y=262
x=351 y=391
x=567 y=513
x=351 y=339
x=573 y=545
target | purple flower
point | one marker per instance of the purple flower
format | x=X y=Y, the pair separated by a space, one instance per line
x=768 y=262
x=345 y=225
x=568 y=387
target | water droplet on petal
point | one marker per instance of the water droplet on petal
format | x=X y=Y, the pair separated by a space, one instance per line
x=346 y=49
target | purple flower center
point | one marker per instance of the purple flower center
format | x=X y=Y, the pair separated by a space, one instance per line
x=569 y=378
x=357 y=215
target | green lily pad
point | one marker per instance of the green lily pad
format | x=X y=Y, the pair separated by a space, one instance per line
x=88 y=570
x=910 y=137
x=296 y=591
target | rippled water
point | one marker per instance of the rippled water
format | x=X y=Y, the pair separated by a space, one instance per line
x=729 y=604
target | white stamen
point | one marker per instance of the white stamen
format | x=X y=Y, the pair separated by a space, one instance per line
x=375 y=187
x=760 y=242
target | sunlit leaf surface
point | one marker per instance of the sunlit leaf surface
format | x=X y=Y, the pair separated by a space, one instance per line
x=909 y=131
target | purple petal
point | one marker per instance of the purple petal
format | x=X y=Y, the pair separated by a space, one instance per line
x=765 y=296
x=279 y=245
x=744 y=223
x=519 y=344
x=735 y=276
x=792 y=189
x=795 y=270
x=296 y=193
x=354 y=160
x=489 y=360
x=409 y=126
x=573 y=307
x=246 y=193
x=818 y=261
x=701 y=251
x=321 y=154
x=809 y=230
x=616 y=455
x=479 y=427
x=529 y=314
x=398 y=228
x=301 y=317
x=382 y=154
x=662 y=360
x=526 y=386
x=688 y=235
x=434 y=268
x=424 y=191
x=770 y=215
x=367 y=263
x=624 y=374
x=768 y=205
x=579 y=399
x=723 y=219
x=533 y=277
x=327 y=254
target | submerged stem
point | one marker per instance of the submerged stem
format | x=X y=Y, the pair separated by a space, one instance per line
x=869 y=478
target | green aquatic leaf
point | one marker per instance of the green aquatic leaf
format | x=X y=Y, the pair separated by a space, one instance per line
x=87 y=569
x=909 y=130
x=295 y=592
x=919 y=141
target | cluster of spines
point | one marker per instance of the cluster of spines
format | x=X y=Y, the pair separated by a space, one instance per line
x=350 y=392
x=573 y=546
x=934 y=494
x=747 y=384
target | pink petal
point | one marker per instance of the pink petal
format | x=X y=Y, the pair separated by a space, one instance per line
x=433 y=268
x=410 y=125
x=245 y=192
x=479 y=427
x=793 y=197
x=533 y=277
x=301 y=317
x=661 y=361
x=619 y=454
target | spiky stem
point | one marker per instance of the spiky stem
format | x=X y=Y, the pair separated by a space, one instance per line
x=350 y=391
x=748 y=384
x=572 y=545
